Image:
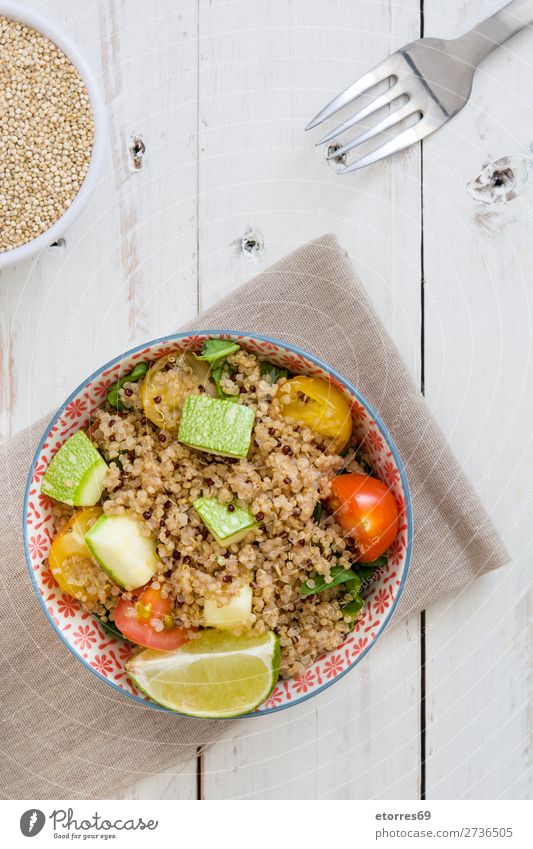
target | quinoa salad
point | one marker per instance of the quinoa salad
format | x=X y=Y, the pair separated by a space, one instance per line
x=219 y=514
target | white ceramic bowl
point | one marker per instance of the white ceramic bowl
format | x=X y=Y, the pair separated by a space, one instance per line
x=26 y=16
x=103 y=653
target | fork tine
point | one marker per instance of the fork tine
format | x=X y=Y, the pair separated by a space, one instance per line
x=377 y=75
x=410 y=136
x=386 y=123
x=378 y=103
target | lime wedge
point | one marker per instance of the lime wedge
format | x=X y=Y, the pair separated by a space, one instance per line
x=215 y=675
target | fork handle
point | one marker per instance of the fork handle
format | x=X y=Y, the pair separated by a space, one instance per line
x=496 y=30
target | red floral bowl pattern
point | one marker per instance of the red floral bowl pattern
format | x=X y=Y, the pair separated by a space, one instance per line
x=105 y=654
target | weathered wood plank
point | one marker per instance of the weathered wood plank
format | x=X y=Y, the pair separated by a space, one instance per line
x=128 y=271
x=129 y=268
x=478 y=381
x=265 y=69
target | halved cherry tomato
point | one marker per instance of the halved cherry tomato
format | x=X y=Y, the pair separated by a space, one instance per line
x=68 y=545
x=168 y=383
x=322 y=407
x=366 y=509
x=137 y=620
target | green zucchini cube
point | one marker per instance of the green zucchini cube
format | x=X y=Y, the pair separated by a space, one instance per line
x=76 y=473
x=215 y=426
x=227 y=526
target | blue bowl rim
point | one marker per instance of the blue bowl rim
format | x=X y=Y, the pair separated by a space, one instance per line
x=295 y=350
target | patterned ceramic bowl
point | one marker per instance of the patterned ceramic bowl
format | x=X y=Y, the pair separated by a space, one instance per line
x=105 y=655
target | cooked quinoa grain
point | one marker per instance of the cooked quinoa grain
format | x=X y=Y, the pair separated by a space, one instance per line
x=287 y=471
x=46 y=133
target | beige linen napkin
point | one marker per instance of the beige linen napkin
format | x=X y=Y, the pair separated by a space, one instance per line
x=63 y=733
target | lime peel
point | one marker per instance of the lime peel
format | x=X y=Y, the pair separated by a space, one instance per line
x=216 y=675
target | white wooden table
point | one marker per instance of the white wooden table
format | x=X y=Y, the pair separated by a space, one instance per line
x=219 y=93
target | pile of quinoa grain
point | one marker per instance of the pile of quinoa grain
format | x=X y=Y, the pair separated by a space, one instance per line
x=46 y=133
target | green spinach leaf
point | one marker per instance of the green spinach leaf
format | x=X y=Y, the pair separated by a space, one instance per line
x=217 y=349
x=111 y=628
x=366 y=570
x=338 y=575
x=216 y=374
x=272 y=372
x=113 y=395
x=353 y=608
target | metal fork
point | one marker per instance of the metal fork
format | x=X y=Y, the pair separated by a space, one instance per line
x=433 y=79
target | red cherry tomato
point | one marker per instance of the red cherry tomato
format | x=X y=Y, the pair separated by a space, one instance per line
x=148 y=622
x=366 y=509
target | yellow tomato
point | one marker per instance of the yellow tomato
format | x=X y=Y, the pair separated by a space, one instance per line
x=322 y=407
x=69 y=544
x=168 y=383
